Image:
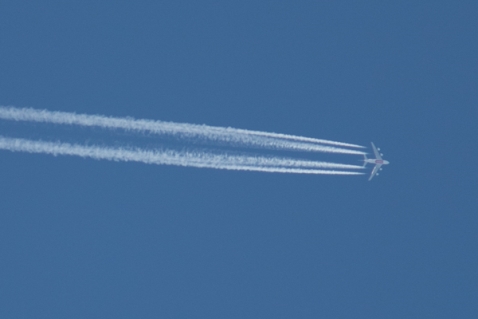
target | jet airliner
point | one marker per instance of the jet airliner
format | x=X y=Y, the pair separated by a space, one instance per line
x=378 y=161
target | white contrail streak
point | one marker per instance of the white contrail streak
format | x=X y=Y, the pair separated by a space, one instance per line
x=169 y=157
x=225 y=134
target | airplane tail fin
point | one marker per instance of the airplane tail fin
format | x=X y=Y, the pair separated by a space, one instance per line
x=364 y=160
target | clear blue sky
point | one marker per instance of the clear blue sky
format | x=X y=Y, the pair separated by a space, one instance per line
x=94 y=239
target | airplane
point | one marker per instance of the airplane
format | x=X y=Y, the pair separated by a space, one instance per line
x=378 y=161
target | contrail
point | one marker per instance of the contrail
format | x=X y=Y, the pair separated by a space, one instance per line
x=224 y=134
x=170 y=157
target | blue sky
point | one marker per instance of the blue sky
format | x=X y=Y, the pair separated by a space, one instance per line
x=83 y=238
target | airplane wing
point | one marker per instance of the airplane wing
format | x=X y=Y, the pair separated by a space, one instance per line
x=374 y=171
x=376 y=152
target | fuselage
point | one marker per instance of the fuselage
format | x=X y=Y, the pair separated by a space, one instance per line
x=376 y=161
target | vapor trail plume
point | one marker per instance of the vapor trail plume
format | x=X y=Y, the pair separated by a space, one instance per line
x=224 y=134
x=169 y=157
